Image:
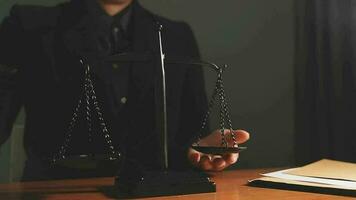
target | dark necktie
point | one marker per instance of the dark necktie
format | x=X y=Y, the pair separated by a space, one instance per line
x=119 y=42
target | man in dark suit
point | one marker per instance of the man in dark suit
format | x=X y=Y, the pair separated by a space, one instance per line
x=41 y=49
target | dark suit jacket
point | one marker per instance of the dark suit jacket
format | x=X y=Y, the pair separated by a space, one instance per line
x=40 y=47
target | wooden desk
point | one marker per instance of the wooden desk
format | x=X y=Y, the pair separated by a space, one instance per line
x=230 y=185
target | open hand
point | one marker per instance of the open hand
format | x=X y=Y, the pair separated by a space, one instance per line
x=208 y=162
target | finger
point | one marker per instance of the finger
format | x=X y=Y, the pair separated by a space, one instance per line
x=205 y=163
x=218 y=164
x=241 y=136
x=194 y=157
x=215 y=138
x=231 y=158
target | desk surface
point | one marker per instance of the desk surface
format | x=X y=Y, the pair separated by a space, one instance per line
x=230 y=185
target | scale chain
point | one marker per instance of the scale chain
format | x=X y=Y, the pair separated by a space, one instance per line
x=87 y=100
x=227 y=115
x=107 y=137
x=224 y=114
x=90 y=97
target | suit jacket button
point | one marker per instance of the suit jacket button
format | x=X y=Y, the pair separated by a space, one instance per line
x=115 y=66
x=123 y=100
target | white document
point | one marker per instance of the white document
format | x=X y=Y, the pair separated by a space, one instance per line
x=283 y=175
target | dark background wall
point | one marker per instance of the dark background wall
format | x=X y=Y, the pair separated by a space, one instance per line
x=256 y=39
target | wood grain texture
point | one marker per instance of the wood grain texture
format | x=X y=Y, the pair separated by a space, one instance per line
x=230 y=185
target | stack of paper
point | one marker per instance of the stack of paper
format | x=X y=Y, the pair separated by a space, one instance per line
x=325 y=176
